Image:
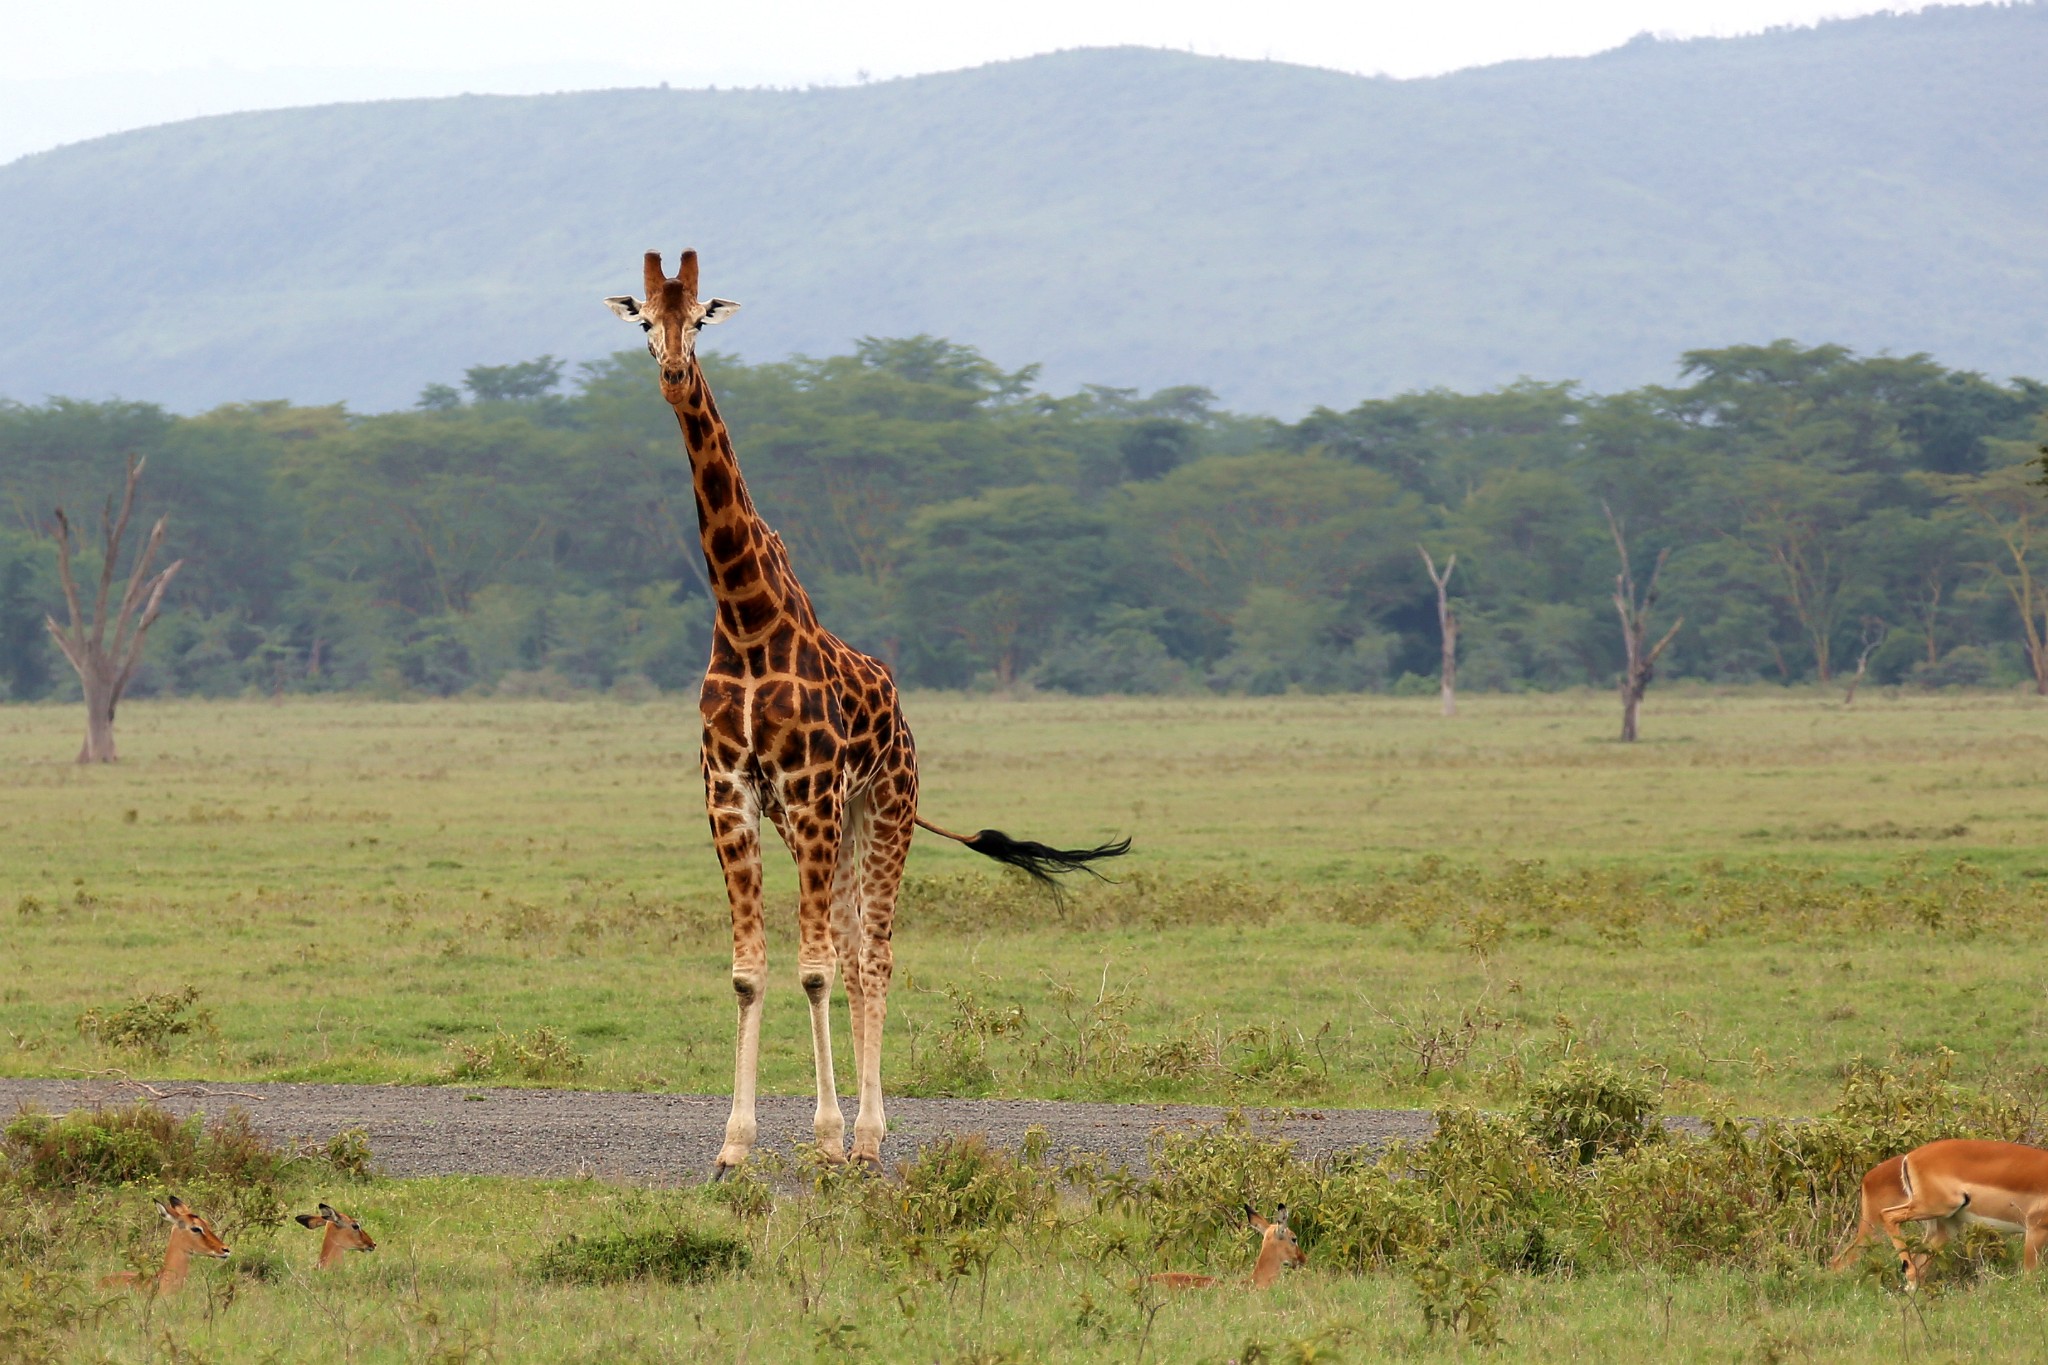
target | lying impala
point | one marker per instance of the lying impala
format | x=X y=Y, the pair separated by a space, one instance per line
x=1960 y=1180
x=191 y=1235
x=1278 y=1251
x=344 y=1234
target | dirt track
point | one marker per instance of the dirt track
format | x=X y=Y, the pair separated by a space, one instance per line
x=454 y=1130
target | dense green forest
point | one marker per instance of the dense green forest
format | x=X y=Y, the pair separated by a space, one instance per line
x=534 y=533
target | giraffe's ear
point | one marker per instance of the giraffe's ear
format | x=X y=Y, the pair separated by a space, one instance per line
x=627 y=307
x=718 y=310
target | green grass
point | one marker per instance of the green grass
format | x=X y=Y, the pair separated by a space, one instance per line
x=457 y=1276
x=1332 y=901
x=393 y=892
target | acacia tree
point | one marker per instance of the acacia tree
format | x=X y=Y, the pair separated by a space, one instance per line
x=1640 y=664
x=105 y=668
x=1873 y=636
x=2009 y=504
x=1447 y=623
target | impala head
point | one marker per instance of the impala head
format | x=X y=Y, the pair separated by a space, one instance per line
x=187 y=1224
x=671 y=315
x=343 y=1233
x=1278 y=1249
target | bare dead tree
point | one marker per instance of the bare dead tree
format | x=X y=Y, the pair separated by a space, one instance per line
x=1634 y=608
x=105 y=669
x=1447 y=622
x=1873 y=636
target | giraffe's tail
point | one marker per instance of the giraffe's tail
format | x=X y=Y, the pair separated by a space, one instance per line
x=1041 y=862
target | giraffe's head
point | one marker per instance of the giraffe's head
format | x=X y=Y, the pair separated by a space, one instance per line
x=671 y=315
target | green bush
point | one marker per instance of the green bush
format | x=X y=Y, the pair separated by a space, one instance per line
x=957 y=1185
x=541 y=1055
x=149 y=1024
x=1582 y=1109
x=678 y=1255
x=137 y=1144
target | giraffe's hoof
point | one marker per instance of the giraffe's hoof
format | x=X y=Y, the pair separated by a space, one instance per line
x=869 y=1165
x=720 y=1170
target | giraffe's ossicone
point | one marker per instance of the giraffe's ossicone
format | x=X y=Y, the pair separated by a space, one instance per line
x=807 y=731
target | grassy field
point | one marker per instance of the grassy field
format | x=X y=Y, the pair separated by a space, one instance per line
x=1331 y=901
x=1340 y=899
x=452 y=1281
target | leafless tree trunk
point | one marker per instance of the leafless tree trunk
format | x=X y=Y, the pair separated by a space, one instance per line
x=1447 y=622
x=1641 y=665
x=1873 y=636
x=104 y=669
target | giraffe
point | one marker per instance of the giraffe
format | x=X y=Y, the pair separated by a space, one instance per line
x=806 y=731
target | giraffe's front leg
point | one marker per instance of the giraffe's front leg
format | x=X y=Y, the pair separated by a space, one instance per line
x=736 y=830
x=815 y=843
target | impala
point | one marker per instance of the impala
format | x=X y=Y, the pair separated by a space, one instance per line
x=1961 y=1180
x=191 y=1235
x=1278 y=1251
x=344 y=1234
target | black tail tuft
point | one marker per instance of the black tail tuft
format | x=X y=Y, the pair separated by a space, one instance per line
x=1041 y=861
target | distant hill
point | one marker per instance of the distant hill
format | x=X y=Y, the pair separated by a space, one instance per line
x=1285 y=235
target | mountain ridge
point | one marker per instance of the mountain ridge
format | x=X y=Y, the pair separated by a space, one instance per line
x=1288 y=236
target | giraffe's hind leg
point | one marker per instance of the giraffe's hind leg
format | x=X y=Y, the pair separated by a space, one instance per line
x=856 y=828
x=891 y=816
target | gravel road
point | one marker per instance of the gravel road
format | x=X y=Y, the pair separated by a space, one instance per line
x=661 y=1139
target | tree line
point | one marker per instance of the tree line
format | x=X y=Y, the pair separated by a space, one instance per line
x=1810 y=513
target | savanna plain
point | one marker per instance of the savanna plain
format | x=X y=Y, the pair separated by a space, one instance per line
x=1814 y=929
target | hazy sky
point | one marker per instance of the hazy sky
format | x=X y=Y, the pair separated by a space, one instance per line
x=73 y=69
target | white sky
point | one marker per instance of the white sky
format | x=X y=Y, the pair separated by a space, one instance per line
x=74 y=69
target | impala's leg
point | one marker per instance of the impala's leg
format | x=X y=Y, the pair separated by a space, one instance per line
x=736 y=831
x=894 y=809
x=817 y=855
x=1866 y=1228
x=2037 y=1237
x=1919 y=1209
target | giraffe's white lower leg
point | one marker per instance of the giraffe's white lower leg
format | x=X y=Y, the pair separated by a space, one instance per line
x=740 y=1126
x=872 y=1124
x=827 y=1123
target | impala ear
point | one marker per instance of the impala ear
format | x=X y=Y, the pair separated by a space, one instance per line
x=627 y=307
x=310 y=1220
x=327 y=1212
x=1251 y=1215
x=716 y=311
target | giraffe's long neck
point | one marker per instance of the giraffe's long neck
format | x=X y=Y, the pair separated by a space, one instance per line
x=751 y=580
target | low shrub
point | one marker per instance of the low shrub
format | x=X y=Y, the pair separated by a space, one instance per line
x=676 y=1255
x=957 y=1185
x=541 y=1055
x=149 y=1024
x=37 y=1311
x=137 y=1144
x=1580 y=1110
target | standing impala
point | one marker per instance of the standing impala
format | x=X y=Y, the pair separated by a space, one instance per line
x=344 y=1234
x=1962 y=1180
x=191 y=1235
